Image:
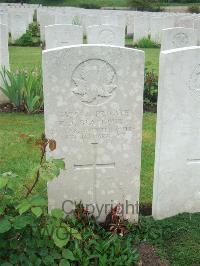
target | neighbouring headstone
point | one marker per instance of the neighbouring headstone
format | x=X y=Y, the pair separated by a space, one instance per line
x=106 y=34
x=4 y=55
x=45 y=19
x=93 y=109
x=63 y=18
x=18 y=22
x=169 y=21
x=130 y=24
x=63 y=35
x=156 y=26
x=91 y=20
x=197 y=29
x=4 y=18
x=115 y=20
x=177 y=38
x=177 y=161
x=186 y=22
x=141 y=27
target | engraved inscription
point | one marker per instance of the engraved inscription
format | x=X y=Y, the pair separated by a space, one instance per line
x=94 y=81
x=180 y=40
x=93 y=127
x=106 y=37
x=62 y=42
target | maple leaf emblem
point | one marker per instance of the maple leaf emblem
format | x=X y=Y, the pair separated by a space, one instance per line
x=94 y=80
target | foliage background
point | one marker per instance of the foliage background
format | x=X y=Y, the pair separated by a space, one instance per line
x=96 y=3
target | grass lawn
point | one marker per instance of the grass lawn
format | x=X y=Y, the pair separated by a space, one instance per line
x=152 y=59
x=29 y=57
x=25 y=57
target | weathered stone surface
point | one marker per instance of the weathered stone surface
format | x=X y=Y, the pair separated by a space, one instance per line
x=130 y=24
x=18 y=21
x=3 y=18
x=63 y=35
x=93 y=109
x=186 y=22
x=141 y=27
x=156 y=26
x=197 y=29
x=4 y=56
x=106 y=34
x=115 y=20
x=45 y=19
x=91 y=20
x=177 y=161
x=63 y=18
x=178 y=37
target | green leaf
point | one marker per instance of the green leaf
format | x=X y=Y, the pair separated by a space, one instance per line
x=75 y=233
x=48 y=260
x=48 y=171
x=5 y=225
x=37 y=211
x=67 y=254
x=38 y=201
x=1 y=210
x=23 y=207
x=3 y=182
x=64 y=262
x=59 y=163
x=60 y=237
x=57 y=213
x=6 y=264
x=21 y=222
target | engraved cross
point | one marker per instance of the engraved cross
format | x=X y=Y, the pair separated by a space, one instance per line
x=94 y=166
x=193 y=161
x=64 y=42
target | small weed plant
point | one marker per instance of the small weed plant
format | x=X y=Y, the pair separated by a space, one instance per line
x=31 y=37
x=150 y=91
x=146 y=43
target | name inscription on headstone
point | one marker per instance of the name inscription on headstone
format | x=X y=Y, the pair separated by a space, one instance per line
x=99 y=125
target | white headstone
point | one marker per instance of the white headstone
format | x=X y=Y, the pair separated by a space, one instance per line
x=45 y=19
x=169 y=21
x=63 y=35
x=31 y=12
x=19 y=21
x=106 y=34
x=63 y=18
x=177 y=38
x=116 y=20
x=130 y=24
x=4 y=55
x=197 y=29
x=141 y=27
x=3 y=18
x=91 y=20
x=177 y=161
x=186 y=22
x=93 y=109
x=156 y=27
